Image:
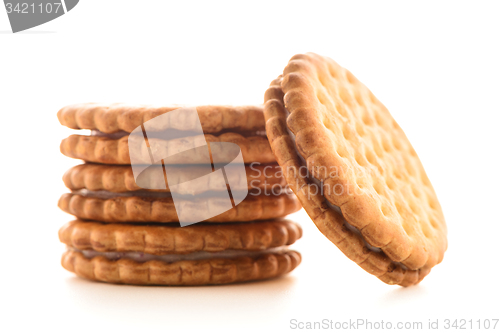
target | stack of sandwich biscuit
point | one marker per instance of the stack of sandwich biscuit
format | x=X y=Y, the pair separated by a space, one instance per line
x=127 y=228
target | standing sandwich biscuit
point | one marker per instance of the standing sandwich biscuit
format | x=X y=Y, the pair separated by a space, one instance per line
x=363 y=186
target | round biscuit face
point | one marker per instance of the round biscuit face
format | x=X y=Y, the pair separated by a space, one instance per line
x=321 y=117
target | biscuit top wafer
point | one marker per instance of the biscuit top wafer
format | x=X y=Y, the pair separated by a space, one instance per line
x=164 y=239
x=361 y=157
x=116 y=117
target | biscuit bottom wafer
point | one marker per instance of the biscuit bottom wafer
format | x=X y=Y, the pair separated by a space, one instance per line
x=99 y=149
x=187 y=272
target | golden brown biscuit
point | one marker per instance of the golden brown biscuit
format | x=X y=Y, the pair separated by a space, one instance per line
x=187 y=272
x=168 y=239
x=112 y=118
x=101 y=149
x=365 y=187
x=120 y=178
x=92 y=206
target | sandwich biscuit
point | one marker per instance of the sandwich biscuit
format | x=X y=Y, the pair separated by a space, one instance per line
x=200 y=254
x=365 y=187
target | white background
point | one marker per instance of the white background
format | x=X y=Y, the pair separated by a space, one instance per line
x=435 y=65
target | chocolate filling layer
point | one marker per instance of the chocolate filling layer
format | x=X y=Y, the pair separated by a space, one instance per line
x=170 y=134
x=202 y=255
x=167 y=195
x=111 y=195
